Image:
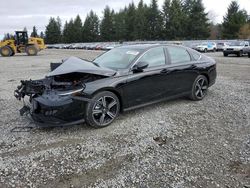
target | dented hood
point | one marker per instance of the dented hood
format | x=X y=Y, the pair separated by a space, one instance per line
x=74 y=64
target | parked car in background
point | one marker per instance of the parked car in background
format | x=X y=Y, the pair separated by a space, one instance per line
x=238 y=48
x=222 y=45
x=206 y=46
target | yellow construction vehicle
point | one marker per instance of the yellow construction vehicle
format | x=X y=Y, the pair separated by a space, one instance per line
x=21 y=44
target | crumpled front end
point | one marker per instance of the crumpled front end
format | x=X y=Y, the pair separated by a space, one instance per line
x=57 y=100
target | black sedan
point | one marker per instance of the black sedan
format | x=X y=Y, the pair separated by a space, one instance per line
x=122 y=79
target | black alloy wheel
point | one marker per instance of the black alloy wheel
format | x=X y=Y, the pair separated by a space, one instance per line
x=103 y=110
x=200 y=87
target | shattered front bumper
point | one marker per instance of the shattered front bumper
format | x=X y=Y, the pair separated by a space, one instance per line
x=47 y=113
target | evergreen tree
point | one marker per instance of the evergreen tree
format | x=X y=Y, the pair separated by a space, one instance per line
x=53 y=31
x=65 y=33
x=68 y=32
x=130 y=22
x=120 y=25
x=198 y=26
x=77 y=30
x=155 y=22
x=34 y=32
x=7 y=36
x=166 y=19
x=176 y=20
x=233 y=21
x=41 y=35
x=107 y=25
x=91 y=28
x=141 y=24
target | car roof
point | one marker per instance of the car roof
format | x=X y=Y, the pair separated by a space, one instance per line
x=145 y=46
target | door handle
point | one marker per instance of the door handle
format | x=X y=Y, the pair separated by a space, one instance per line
x=165 y=71
x=193 y=66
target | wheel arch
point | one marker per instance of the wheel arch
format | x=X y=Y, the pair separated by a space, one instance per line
x=206 y=75
x=112 y=90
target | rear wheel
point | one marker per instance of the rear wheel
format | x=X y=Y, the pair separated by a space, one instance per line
x=225 y=54
x=205 y=50
x=6 y=51
x=199 y=89
x=103 y=110
x=31 y=50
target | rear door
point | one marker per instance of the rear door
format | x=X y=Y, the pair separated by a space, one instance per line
x=182 y=71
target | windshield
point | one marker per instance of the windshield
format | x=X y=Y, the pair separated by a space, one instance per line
x=237 y=43
x=119 y=58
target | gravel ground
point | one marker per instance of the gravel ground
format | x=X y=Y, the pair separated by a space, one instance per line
x=178 y=143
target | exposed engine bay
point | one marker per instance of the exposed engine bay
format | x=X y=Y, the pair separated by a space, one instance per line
x=60 y=83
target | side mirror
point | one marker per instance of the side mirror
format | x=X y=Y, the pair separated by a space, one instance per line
x=140 y=66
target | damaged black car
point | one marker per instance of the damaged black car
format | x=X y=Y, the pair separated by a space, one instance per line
x=121 y=79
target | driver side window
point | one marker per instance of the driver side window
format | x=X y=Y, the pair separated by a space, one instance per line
x=154 y=57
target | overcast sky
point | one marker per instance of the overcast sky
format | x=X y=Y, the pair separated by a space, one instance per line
x=15 y=15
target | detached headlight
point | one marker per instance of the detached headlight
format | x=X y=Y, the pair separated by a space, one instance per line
x=72 y=92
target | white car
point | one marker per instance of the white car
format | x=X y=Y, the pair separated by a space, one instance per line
x=238 y=48
x=206 y=46
x=222 y=45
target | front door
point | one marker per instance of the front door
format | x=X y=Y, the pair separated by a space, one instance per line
x=146 y=86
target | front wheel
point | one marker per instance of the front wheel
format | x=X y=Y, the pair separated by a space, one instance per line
x=205 y=50
x=225 y=54
x=103 y=109
x=199 y=89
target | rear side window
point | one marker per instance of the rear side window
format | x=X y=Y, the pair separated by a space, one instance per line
x=178 y=55
x=196 y=56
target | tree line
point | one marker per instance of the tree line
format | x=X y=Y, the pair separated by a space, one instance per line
x=175 y=20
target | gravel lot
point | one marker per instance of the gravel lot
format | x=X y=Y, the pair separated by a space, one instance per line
x=178 y=143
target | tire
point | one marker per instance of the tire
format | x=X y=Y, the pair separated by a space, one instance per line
x=31 y=50
x=6 y=51
x=103 y=116
x=199 y=88
x=214 y=50
x=249 y=54
x=225 y=54
x=205 y=50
